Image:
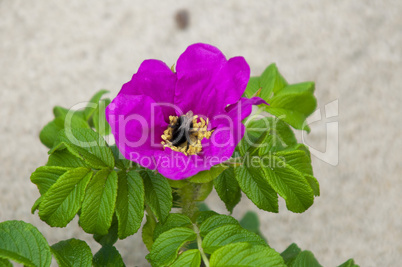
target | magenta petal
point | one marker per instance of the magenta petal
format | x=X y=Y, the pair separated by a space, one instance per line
x=229 y=85
x=207 y=82
x=156 y=80
x=196 y=69
x=221 y=145
x=137 y=124
x=244 y=106
x=177 y=166
x=229 y=129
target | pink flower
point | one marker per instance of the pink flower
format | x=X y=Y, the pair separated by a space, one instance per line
x=149 y=114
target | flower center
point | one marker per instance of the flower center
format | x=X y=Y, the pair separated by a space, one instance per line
x=184 y=133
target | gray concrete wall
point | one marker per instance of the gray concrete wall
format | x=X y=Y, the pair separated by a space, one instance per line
x=61 y=53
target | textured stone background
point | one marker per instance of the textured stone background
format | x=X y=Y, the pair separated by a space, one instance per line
x=60 y=54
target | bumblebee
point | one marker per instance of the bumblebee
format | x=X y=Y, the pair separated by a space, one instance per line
x=182 y=130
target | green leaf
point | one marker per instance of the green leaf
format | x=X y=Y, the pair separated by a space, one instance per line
x=5 y=263
x=119 y=159
x=306 y=259
x=293 y=118
x=62 y=112
x=297 y=88
x=99 y=118
x=228 y=189
x=23 y=243
x=349 y=263
x=130 y=203
x=202 y=215
x=72 y=252
x=208 y=175
x=111 y=237
x=99 y=203
x=250 y=222
x=64 y=158
x=298 y=159
x=158 y=194
x=294 y=104
x=290 y=253
x=254 y=130
x=270 y=81
x=166 y=246
x=108 y=256
x=59 y=111
x=304 y=148
x=254 y=184
x=227 y=234
x=35 y=206
x=148 y=232
x=253 y=86
x=245 y=254
x=313 y=184
x=301 y=161
x=203 y=191
x=189 y=258
x=202 y=206
x=259 y=131
x=48 y=134
x=216 y=221
x=44 y=177
x=266 y=135
x=93 y=103
x=86 y=145
x=63 y=199
x=177 y=183
x=291 y=103
x=289 y=183
x=174 y=220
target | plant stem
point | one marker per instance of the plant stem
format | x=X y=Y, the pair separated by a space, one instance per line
x=149 y=212
x=234 y=161
x=188 y=195
x=199 y=244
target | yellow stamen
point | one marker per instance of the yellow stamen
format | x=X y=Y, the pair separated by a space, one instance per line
x=198 y=132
